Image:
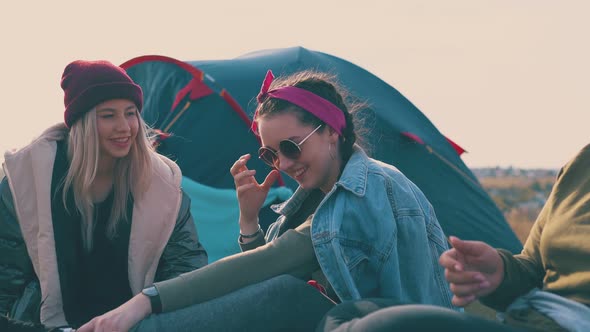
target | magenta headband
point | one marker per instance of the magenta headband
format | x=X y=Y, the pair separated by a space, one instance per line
x=309 y=101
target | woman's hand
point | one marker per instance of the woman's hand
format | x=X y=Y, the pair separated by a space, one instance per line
x=122 y=318
x=251 y=194
x=473 y=269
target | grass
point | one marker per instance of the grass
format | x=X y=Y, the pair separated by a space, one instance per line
x=513 y=195
x=521 y=223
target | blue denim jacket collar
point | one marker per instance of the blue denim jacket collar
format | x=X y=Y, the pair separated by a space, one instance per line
x=354 y=175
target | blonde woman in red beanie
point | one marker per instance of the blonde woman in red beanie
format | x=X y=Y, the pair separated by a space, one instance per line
x=91 y=215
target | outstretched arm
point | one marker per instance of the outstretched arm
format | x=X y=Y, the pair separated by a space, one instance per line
x=291 y=253
x=122 y=318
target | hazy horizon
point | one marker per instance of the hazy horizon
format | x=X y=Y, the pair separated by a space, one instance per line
x=504 y=79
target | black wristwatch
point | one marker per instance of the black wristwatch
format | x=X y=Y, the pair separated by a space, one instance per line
x=152 y=293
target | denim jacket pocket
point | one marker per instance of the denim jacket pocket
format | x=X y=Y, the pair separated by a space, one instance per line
x=353 y=257
x=358 y=264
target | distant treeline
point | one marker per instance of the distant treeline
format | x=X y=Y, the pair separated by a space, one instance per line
x=512 y=171
x=519 y=193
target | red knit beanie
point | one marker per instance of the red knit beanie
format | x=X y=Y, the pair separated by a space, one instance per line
x=89 y=83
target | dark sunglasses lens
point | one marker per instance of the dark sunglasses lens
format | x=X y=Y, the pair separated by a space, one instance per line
x=290 y=149
x=268 y=156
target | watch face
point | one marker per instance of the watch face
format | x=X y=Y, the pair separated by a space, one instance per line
x=150 y=291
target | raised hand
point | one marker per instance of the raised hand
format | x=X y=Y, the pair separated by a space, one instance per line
x=251 y=194
x=472 y=268
x=120 y=319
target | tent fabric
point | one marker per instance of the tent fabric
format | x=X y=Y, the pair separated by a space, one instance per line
x=216 y=212
x=208 y=133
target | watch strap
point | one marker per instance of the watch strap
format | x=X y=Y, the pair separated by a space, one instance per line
x=154 y=296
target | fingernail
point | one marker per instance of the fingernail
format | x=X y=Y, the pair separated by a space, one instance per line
x=484 y=284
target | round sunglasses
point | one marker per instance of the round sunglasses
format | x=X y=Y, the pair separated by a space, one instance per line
x=287 y=147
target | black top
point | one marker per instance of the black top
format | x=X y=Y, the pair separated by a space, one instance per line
x=103 y=270
x=93 y=282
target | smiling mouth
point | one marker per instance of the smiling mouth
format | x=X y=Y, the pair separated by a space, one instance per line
x=299 y=173
x=120 y=140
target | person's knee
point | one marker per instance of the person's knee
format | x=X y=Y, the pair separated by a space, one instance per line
x=288 y=284
x=347 y=313
x=360 y=308
x=286 y=279
x=386 y=314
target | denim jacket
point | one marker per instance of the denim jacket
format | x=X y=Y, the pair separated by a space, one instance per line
x=376 y=235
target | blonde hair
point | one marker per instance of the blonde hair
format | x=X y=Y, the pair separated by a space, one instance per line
x=133 y=174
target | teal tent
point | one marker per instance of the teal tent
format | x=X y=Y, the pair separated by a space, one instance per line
x=203 y=110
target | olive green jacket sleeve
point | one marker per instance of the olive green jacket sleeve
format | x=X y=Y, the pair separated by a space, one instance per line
x=555 y=255
x=520 y=276
x=291 y=253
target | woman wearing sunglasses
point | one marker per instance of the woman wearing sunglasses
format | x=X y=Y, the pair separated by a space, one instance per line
x=373 y=232
x=358 y=227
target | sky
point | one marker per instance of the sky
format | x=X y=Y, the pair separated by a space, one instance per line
x=505 y=79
